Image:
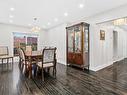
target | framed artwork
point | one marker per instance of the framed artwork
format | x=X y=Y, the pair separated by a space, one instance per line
x=102 y=35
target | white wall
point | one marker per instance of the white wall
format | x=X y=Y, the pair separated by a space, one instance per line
x=57 y=38
x=101 y=52
x=6 y=36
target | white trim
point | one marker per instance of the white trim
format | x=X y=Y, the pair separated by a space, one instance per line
x=105 y=65
x=122 y=58
x=61 y=62
x=100 y=66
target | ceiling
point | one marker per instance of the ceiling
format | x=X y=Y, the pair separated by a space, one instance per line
x=51 y=12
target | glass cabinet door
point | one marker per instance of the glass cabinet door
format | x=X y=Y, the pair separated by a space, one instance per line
x=77 y=40
x=71 y=40
x=86 y=44
x=86 y=39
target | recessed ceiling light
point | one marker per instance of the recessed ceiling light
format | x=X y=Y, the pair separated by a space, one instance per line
x=56 y=19
x=12 y=9
x=81 y=6
x=49 y=23
x=66 y=14
x=11 y=16
x=11 y=21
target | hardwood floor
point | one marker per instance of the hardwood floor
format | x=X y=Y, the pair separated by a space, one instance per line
x=69 y=81
x=116 y=73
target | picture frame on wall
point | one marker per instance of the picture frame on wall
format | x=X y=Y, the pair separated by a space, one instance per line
x=102 y=35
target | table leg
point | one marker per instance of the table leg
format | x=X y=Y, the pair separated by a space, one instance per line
x=30 y=67
x=7 y=61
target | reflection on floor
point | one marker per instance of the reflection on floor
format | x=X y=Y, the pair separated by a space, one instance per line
x=69 y=81
x=116 y=73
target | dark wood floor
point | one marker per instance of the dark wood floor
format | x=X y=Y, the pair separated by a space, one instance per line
x=116 y=73
x=69 y=81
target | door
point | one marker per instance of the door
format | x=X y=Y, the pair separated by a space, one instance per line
x=70 y=45
x=78 y=45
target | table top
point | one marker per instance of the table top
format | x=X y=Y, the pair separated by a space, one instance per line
x=33 y=53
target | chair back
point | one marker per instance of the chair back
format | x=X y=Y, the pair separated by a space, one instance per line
x=29 y=48
x=49 y=55
x=21 y=54
x=4 y=50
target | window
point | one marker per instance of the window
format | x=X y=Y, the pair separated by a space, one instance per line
x=21 y=40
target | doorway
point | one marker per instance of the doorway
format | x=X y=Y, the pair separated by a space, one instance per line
x=115 y=46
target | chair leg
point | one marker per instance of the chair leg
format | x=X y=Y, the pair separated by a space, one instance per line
x=54 y=72
x=42 y=75
x=7 y=61
x=35 y=70
x=19 y=63
x=12 y=60
x=22 y=67
x=2 y=61
x=48 y=69
x=26 y=67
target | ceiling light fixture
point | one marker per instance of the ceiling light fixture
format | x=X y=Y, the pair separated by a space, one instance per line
x=35 y=27
x=122 y=21
x=12 y=9
x=81 y=6
x=65 y=14
x=49 y=23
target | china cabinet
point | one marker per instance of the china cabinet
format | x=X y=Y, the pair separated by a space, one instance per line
x=78 y=45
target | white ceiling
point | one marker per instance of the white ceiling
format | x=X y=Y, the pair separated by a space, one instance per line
x=47 y=10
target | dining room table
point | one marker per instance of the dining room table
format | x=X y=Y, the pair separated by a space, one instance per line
x=32 y=56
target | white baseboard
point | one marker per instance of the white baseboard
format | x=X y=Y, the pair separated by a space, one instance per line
x=105 y=65
x=61 y=62
x=118 y=59
x=100 y=67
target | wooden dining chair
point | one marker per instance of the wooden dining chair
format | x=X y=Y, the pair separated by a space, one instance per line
x=4 y=54
x=48 y=61
x=23 y=62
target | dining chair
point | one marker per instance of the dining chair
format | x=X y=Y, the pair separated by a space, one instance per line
x=4 y=54
x=23 y=61
x=48 y=61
